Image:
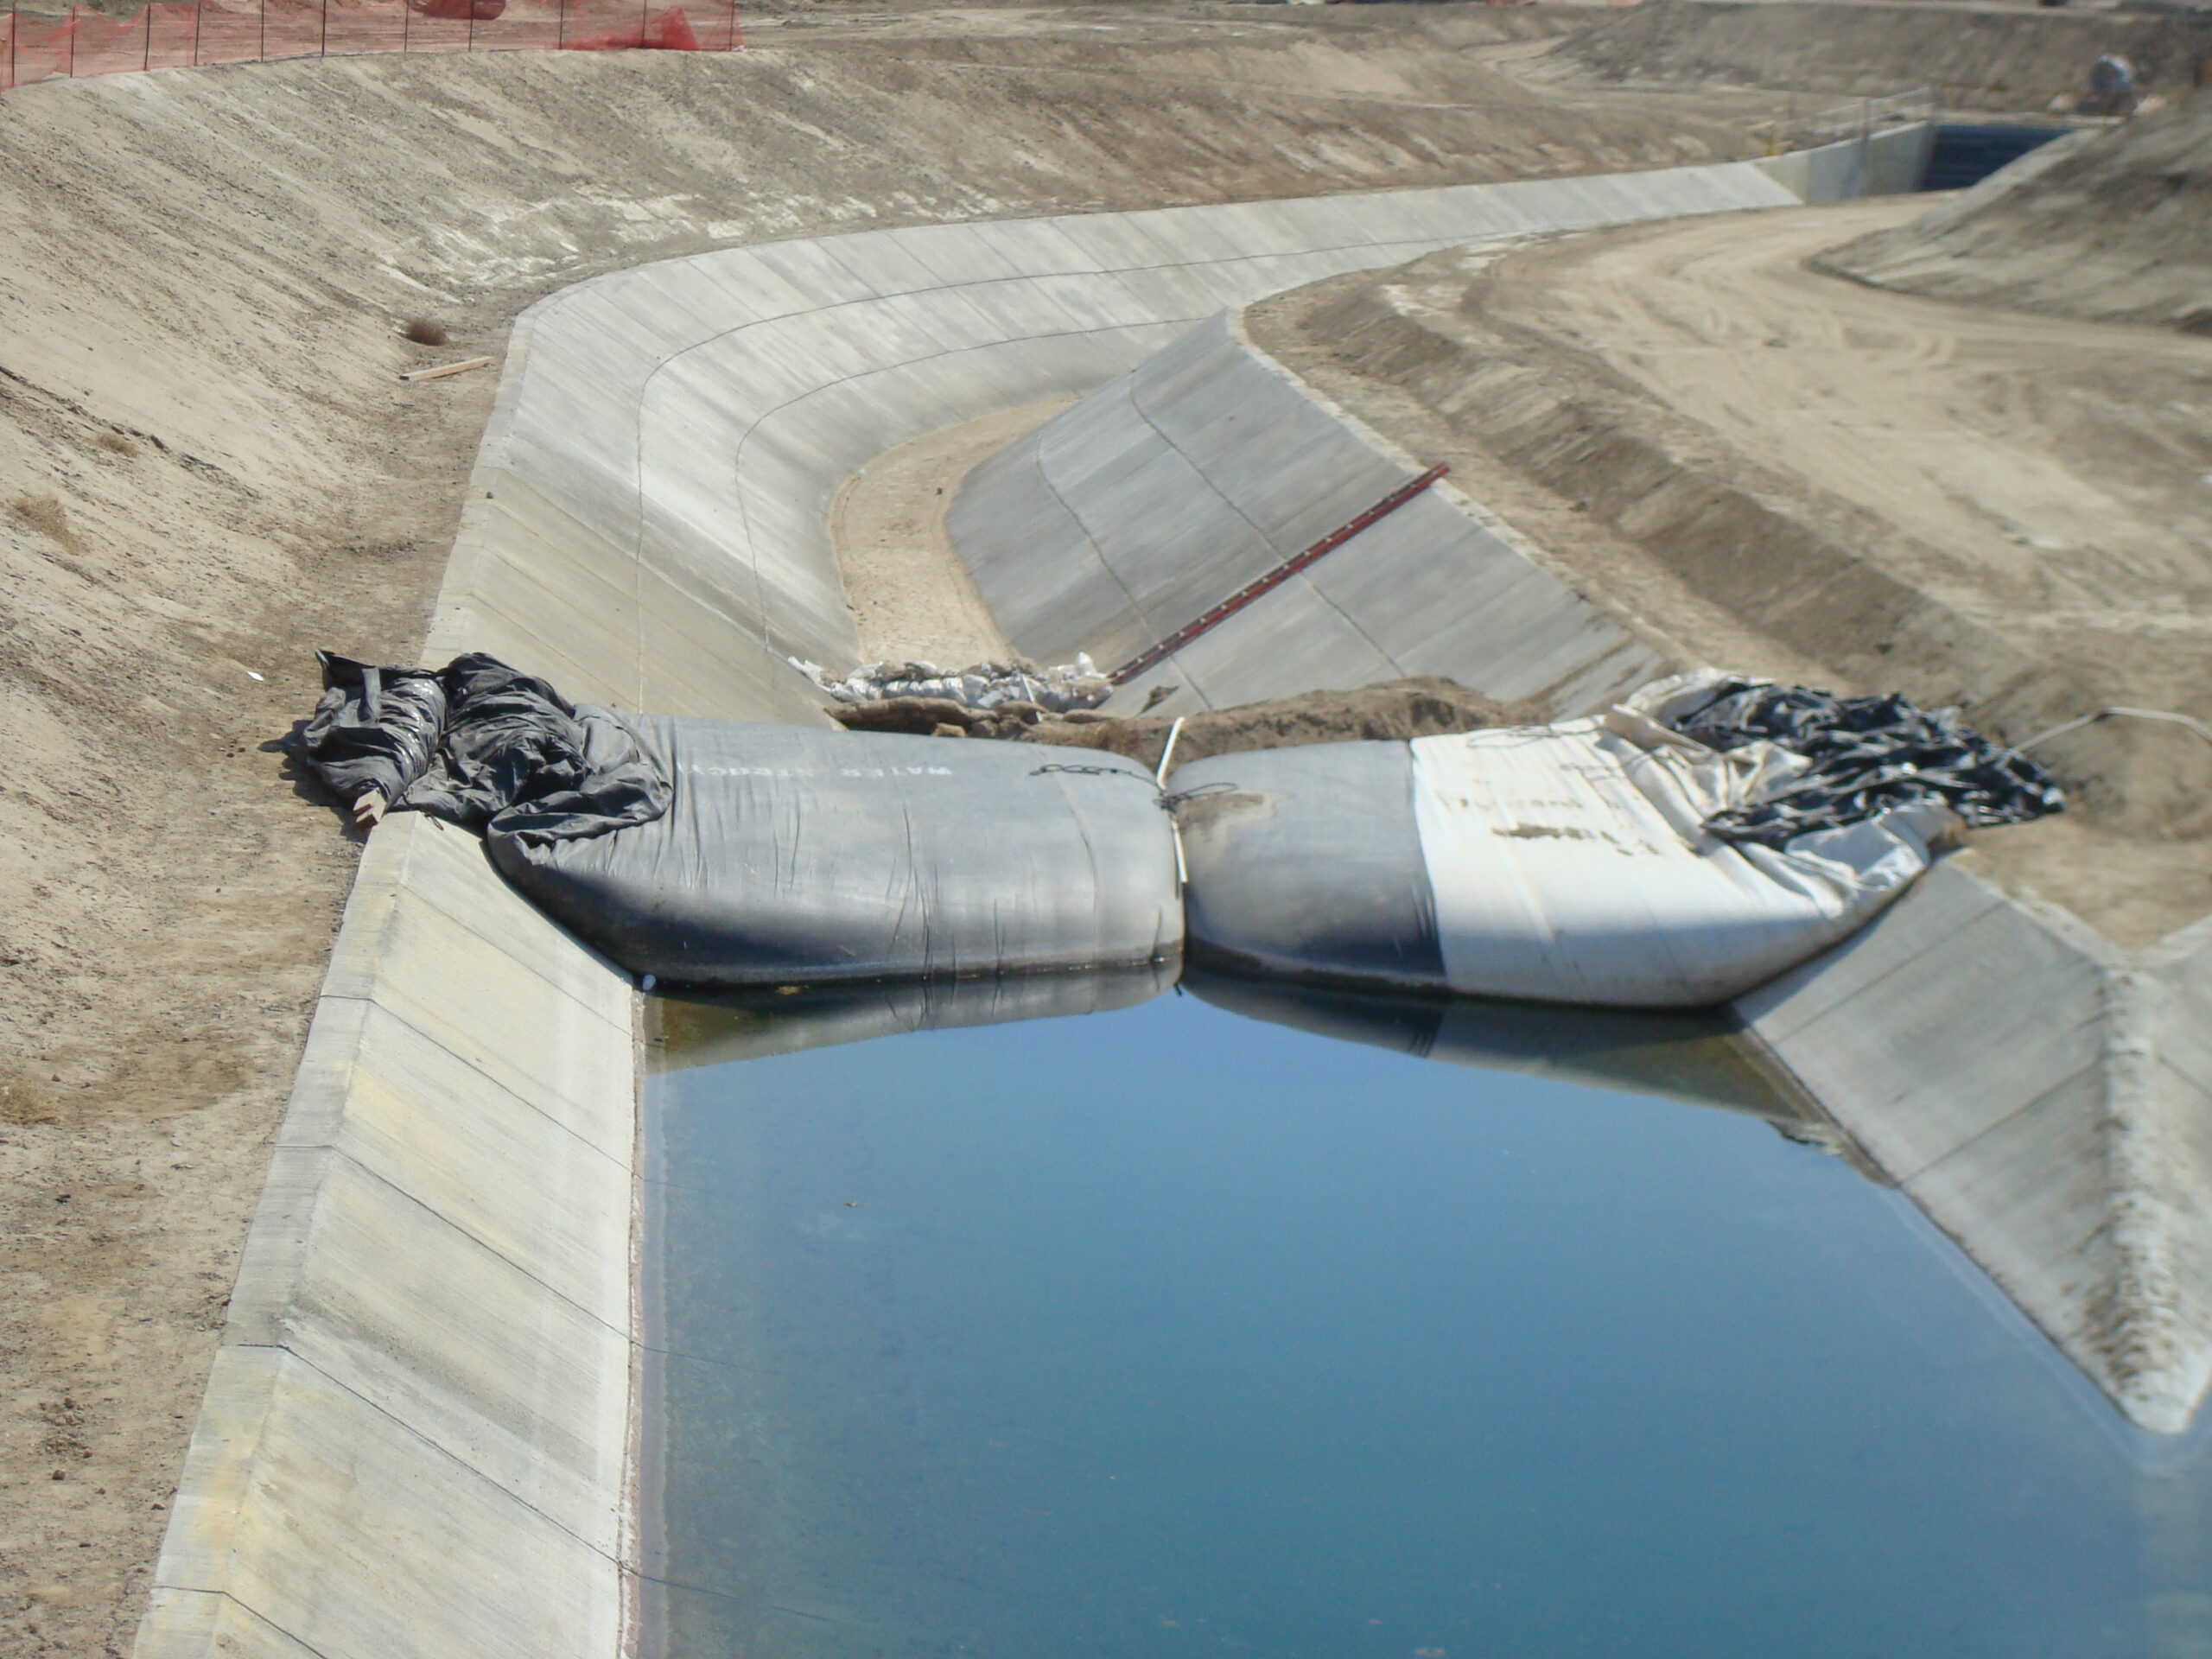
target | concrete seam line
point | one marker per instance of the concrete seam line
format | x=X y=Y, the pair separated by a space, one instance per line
x=551 y=987
x=455 y=1227
x=1265 y=540
x=253 y=1613
x=1042 y=437
x=2092 y=1068
x=425 y=1441
x=444 y=1048
x=1994 y=903
x=1312 y=590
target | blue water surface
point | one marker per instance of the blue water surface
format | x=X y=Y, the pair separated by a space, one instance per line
x=1168 y=1333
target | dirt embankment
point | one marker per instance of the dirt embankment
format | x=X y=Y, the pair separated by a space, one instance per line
x=910 y=597
x=1979 y=57
x=1392 y=710
x=207 y=467
x=2117 y=226
x=1765 y=467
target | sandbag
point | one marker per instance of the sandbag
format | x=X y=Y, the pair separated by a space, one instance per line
x=798 y=856
x=1567 y=863
x=478 y=744
x=376 y=730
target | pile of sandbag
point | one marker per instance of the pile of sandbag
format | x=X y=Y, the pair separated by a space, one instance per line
x=986 y=685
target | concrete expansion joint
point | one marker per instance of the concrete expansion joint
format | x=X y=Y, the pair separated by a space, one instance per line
x=1965 y=1151
x=438 y=1218
x=328 y=1141
x=423 y=1444
x=294 y=1648
x=1038 y=458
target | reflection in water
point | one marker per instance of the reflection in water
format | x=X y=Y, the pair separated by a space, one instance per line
x=1698 y=1058
x=753 y=1024
x=1695 y=1058
x=1172 y=1333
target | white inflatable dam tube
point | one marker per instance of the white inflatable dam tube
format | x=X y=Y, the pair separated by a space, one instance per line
x=1564 y=863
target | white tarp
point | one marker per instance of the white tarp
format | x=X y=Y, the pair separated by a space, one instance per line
x=1568 y=864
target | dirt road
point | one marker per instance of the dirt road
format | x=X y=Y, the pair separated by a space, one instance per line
x=1974 y=505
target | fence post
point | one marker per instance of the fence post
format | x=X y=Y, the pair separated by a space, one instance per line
x=322 y=44
x=261 y=51
x=15 y=28
x=199 y=11
x=73 y=39
x=146 y=60
x=560 y=26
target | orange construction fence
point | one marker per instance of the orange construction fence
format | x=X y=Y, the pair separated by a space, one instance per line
x=43 y=45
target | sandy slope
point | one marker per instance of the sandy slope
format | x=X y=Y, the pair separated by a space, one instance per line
x=1810 y=478
x=2115 y=226
x=910 y=597
x=218 y=471
x=1980 y=56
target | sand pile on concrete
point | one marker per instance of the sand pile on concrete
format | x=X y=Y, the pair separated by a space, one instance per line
x=2115 y=225
x=1393 y=710
x=1773 y=470
x=1977 y=57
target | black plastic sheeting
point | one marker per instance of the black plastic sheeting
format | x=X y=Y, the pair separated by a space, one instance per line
x=376 y=730
x=1869 y=755
x=481 y=745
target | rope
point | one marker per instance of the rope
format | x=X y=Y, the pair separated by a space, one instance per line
x=2198 y=727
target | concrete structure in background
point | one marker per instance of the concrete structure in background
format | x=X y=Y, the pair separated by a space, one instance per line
x=1890 y=163
x=414 y=1442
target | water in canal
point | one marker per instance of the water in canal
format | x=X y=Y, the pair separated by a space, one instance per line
x=1174 y=1332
